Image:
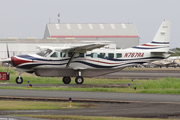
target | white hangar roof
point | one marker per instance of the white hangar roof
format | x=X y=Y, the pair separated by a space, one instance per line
x=89 y=30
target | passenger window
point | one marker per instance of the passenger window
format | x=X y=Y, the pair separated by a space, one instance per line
x=118 y=55
x=70 y=54
x=55 y=54
x=102 y=55
x=63 y=54
x=94 y=55
x=82 y=54
x=110 y=55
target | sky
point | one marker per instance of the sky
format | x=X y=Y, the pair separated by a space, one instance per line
x=28 y=18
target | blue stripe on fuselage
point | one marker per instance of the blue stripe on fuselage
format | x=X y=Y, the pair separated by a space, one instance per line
x=148 y=48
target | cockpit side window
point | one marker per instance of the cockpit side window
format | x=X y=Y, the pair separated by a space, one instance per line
x=55 y=54
x=44 y=52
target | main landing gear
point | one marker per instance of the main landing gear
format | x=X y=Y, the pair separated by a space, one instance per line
x=79 y=79
x=66 y=80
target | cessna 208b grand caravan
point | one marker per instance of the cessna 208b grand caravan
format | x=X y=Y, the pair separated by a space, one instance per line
x=89 y=60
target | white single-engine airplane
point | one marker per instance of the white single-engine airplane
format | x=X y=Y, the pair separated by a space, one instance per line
x=89 y=60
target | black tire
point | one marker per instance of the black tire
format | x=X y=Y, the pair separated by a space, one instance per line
x=79 y=80
x=19 y=80
x=66 y=80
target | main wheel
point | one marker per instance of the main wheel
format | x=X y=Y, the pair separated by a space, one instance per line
x=66 y=80
x=19 y=80
x=79 y=80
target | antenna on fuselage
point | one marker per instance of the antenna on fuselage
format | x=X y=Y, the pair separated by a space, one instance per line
x=65 y=45
x=58 y=18
x=68 y=44
x=122 y=47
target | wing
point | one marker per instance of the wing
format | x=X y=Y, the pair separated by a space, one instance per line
x=82 y=48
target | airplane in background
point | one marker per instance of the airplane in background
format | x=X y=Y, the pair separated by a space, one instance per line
x=164 y=63
x=169 y=62
x=89 y=60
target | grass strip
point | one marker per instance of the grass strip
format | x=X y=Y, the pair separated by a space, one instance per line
x=39 y=105
x=167 y=85
x=64 y=117
x=92 y=89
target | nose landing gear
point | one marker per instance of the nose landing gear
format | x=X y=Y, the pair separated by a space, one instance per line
x=19 y=80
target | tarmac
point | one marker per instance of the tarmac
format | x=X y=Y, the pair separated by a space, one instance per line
x=111 y=104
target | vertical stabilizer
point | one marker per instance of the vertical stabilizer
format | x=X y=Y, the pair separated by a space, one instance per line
x=163 y=34
x=161 y=40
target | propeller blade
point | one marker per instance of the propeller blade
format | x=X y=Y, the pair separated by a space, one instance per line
x=7 y=50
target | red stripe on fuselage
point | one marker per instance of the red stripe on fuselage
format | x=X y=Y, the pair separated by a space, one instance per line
x=16 y=61
x=148 y=45
x=101 y=62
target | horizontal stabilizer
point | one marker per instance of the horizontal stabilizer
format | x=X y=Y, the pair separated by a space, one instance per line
x=159 y=52
x=163 y=51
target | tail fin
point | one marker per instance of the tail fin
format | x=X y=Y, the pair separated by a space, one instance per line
x=160 y=41
x=163 y=34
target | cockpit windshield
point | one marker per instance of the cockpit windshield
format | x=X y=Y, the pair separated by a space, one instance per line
x=44 y=53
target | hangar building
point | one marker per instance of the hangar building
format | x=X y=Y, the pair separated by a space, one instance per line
x=124 y=35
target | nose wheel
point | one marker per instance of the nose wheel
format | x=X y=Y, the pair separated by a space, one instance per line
x=19 y=80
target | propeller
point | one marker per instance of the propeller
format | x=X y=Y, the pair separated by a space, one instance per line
x=7 y=50
x=7 y=56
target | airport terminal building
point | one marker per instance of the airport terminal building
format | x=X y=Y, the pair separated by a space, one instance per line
x=124 y=35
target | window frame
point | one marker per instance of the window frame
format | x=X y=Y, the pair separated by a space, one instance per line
x=61 y=54
x=54 y=56
x=84 y=55
x=109 y=54
x=92 y=55
x=119 y=54
x=101 y=55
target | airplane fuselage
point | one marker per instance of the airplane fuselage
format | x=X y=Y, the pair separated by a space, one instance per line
x=92 y=63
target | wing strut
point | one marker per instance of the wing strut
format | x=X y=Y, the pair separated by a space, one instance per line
x=70 y=59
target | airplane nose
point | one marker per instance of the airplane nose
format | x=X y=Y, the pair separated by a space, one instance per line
x=14 y=61
x=18 y=60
